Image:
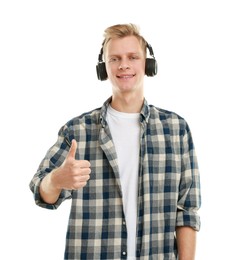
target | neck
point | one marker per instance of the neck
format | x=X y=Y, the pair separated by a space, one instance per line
x=127 y=104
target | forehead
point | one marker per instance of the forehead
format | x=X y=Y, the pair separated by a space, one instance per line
x=120 y=46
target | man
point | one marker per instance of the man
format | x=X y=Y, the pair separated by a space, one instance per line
x=129 y=167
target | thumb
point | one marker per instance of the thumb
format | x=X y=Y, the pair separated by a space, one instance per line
x=73 y=148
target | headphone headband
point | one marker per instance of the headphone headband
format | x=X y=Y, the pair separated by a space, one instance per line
x=150 y=49
x=100 y=58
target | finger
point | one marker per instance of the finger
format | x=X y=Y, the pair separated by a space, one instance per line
x=81 y=167
x=73 y=148
x=82 y=164
x=84 y=172
x=82 y=178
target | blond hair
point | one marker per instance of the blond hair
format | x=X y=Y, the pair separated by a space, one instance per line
x=121 y=31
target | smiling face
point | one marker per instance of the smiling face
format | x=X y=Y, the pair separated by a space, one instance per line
x=125 y=65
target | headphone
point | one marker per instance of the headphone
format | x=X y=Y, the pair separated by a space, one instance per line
x=150 y=65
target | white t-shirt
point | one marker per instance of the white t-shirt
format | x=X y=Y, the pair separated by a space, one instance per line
x=125 y=130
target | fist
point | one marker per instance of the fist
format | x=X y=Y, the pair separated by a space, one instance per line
x=72 y=174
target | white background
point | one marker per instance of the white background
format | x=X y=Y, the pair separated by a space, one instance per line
x=48 y=53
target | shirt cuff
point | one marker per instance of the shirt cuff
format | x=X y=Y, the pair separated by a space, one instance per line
x=188 y=218
x=65 y=194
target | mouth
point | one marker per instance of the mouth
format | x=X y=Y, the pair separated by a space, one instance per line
x=125 y=76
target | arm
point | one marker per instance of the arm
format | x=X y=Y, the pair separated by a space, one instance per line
x=186 y=242
x=189 y=200
x=48 y=191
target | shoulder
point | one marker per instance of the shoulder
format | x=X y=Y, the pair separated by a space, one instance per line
x=164 y=113
x=169 y=119
x=80 y=124
x=86 y=118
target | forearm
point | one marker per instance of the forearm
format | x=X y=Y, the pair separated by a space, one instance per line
x=48 y=192
x=186 y=243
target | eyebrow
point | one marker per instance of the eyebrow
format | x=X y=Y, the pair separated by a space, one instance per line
x=128 y=53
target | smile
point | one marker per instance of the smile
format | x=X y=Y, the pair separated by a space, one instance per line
x=125 y=76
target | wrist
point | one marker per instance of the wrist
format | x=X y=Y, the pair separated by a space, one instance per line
x=53 y=181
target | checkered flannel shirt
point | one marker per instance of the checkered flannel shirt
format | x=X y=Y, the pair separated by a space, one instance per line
x=168 y=186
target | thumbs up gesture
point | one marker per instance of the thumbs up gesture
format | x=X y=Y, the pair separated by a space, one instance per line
x=72 y=174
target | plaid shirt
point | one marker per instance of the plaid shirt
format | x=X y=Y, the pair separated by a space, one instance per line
x=168 y=186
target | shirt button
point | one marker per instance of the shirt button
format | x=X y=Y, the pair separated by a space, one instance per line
x=124 y=223
x=124 y=253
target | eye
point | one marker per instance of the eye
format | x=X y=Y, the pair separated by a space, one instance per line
x=113 y=59
x=134 y=57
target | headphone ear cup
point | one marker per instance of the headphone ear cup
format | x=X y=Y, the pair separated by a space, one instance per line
x=150 y=67
x=101 y=71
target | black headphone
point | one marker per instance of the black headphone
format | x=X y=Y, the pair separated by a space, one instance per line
x=150 y=65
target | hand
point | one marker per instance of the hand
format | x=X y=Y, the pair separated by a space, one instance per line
x=72 y=174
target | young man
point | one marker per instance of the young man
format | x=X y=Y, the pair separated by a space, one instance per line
x=129 y=167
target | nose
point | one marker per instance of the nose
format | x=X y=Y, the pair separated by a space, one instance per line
x=121 y=67
x=124 y=64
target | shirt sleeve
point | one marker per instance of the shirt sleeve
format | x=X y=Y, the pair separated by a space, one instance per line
x=189 y=199
x=53 y=159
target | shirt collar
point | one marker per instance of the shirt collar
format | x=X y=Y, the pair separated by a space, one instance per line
x=144 y=113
